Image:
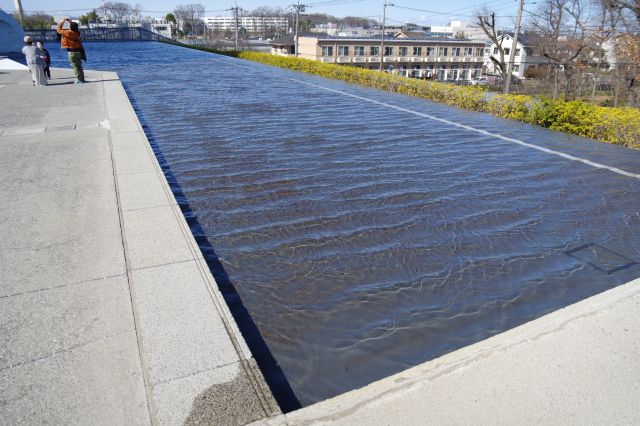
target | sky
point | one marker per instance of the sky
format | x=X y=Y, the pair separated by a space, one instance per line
x=402 y=11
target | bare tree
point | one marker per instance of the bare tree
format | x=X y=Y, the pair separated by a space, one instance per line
x=624 y=8
x=116 y=10
x=189 y=17
x=627 y=51
x=487 y=22
x=564 y=38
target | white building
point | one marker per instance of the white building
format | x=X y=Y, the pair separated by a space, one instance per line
x=162 y=27
x=336 y=30
x=526 y=55
x=454 y=28
x=252 y=24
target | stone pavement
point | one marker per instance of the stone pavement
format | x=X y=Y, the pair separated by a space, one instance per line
x=108 y=312
x=579 y=365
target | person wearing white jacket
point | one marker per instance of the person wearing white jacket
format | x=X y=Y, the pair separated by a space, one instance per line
x=34 y=62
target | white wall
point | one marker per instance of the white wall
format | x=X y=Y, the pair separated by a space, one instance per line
x=520 y=60
x=11 y=35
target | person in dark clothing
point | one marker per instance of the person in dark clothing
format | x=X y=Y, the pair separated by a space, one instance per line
x=46 y=58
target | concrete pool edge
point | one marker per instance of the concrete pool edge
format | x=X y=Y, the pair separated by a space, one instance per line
x=246 y=381
x=575 y=365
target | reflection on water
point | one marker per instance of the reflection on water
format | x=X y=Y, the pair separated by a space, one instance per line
x=362 y=240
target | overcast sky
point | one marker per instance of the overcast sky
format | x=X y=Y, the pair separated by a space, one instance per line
x=429 y=13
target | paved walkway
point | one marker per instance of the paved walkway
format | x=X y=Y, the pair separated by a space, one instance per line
x=108 y=313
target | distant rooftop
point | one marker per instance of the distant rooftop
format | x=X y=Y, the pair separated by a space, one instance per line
x=389 y=38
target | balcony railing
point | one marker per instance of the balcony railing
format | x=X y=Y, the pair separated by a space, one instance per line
x=442 y=58
x=374 y=58
x=359 y=59
x=389 y=58
x=328 y=59
x=343 y=59
x=403 y=59
x=416 y=59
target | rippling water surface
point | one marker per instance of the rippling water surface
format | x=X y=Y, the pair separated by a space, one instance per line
x=364 y=240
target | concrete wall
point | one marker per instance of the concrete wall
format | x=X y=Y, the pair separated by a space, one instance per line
x=10 y=34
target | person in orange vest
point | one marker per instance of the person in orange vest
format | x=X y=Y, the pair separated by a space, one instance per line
x=70 y=40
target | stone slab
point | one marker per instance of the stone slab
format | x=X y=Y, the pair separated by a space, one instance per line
x=58 y=229
x=133 y=161
x=154 y=237
x=141 y=190
x=122 y=141
x=222 y=396
x=99 y=383
x=39 y=324
x=182 y=332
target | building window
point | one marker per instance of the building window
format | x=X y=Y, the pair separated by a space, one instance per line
x=442 y=51
x=468 y=51
x=374 y=51
x=477 y=73
x=517 y=52
x=428 y=70
x=516 y=68
x=343 y=50
x=495 y=50
x=453 y=73
x=480 y=50
x=388 y=51
x=358 y=50
x=417 y=51
x=403 y=51
x=455 y=51
x=442 y=73
x=506 y=50
x=431 y=51
x=327 y=50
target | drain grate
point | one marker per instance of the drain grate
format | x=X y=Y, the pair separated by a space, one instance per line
x=601 y=258
x=61 y=128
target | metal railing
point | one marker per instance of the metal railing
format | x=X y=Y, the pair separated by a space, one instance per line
x=101 y=34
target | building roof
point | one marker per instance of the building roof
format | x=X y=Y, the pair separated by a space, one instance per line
x=376 y=39
x=288 y=40
x=413 y=35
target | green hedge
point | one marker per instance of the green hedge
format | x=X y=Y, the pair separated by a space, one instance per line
x=614 y=125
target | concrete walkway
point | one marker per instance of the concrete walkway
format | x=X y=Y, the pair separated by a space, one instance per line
x=108 y=313
x=579 y=365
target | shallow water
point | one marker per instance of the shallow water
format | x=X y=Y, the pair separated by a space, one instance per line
x=363 y=240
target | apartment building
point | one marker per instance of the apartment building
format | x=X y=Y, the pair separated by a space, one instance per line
x=440 y=59
x=249 y=23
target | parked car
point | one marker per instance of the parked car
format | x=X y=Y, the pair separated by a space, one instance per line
x=482 y=81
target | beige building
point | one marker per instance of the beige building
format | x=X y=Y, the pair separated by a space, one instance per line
x=441 y=59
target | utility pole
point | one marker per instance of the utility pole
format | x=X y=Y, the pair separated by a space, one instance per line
x=235 y=9
x=384 y=18
x=298 y=8
x=235 y=14
x=18 y=5
x=512 y=53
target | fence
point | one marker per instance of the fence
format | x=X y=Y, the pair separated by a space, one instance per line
x=102 y=34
